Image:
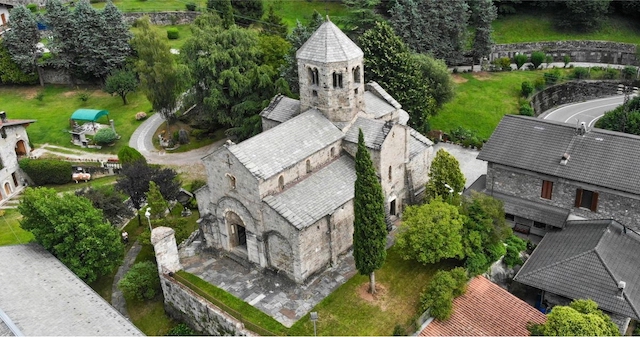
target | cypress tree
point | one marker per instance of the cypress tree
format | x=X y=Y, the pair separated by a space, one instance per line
x=369 y=229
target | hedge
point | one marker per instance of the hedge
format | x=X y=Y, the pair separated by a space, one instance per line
x=47 y=171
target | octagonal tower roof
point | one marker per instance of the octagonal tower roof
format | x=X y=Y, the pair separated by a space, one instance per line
x=329 y=44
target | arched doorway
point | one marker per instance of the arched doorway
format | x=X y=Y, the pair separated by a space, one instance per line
x=237 y=231
x=21 y=149
x=7 y=189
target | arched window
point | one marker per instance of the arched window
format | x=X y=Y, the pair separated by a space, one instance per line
x=232 y=181
x=313 y=76
x=281 y=183
x=310 y=76
x=356 y=74
x=390 y=171
x=337 y=80
x=333 y=151
x=308 y=166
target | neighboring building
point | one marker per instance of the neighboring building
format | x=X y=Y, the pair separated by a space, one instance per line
x=5 y=7
x=14 y=143
x=485 y=309
x=284 y=198
x=41 y=297
x=588 y=259
x=547 y=172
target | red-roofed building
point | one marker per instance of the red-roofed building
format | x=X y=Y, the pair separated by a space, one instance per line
x=486 y=310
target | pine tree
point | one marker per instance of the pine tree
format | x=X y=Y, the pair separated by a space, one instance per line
x=155 y=201
x=62 y=43
x=369 y=229
x=91 y=50
x=483 y=12
x=118 y=36
x=224 y=10
x=361 y=16
x=247 y=11
x=273 y=24
x=22 y=38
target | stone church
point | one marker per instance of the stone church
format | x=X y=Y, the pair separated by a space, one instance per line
x=284 y=199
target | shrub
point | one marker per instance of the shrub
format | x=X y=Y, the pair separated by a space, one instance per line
x=32 y=7
x=539 y=83
x=477 y=264
x=552 y=77
x=459 y=134
x=580 y=73
x=504 y=63
x=10 y=72
x=199 y=134
x=105 y=136
x=83 y=96
x=566 y=59
x=520 y=60
x=611 y=73
x=47 y=171
x=526 y=88
x=440 y=292
x=181 y=330
x=512 y=257
x=191 y=6
x=526 y=109
x=516 y=242
x=141 y=281
x=141 y=116
x=548 y=60
x=173 y=33
x=196 y=184
x=629 y=72
x=537 y=57
x=40 y=96
x=495 y=251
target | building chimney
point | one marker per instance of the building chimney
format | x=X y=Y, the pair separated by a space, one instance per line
x=3 y=116
x=621 y=286
x=583 y=128
x=565 y=159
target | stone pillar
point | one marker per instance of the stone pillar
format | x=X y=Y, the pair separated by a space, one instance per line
x=113 y=127
x=164 y=245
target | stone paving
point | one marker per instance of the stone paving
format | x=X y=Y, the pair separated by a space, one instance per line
x=272 y=293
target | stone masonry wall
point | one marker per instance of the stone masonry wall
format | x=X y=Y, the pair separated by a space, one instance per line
x=163 y=18
x=185 y=305
x=612 y=204
x=580 y=51
x=571 y=92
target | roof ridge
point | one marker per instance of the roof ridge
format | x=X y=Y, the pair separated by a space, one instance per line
x=574 y=257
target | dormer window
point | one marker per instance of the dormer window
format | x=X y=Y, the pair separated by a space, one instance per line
x=337 y=80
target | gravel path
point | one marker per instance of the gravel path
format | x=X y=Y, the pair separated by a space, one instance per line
x=117 y=298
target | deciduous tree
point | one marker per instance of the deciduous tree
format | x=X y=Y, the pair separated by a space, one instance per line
x=441 y=290
x=625 y=118
x=73 y=230
x=141 y=282
x=369 y=229
x=579 y=318
x=109 y=201
x=128 y=155
x=121 y=82
x=445 y=171
x=431 y=232
x=161 y=78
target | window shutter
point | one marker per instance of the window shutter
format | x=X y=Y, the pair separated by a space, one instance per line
x=594 y=202
x=578 y=197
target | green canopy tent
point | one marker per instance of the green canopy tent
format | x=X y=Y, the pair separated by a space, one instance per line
x=88 y=114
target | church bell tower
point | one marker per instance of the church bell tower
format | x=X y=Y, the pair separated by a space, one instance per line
x=331 y=74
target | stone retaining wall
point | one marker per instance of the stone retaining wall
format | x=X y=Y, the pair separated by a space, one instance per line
x=185 y=305
x=580 y=51
x=571 y=92
x=163 y=18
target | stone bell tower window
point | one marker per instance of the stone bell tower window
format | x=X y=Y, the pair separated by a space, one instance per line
x=314 y=79
x=356 y=74
x=337 y=80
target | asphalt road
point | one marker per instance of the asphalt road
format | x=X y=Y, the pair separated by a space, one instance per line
x=588 y=112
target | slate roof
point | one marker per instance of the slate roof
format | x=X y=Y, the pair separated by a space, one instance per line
x=550 y=215
x=600 y=157
x=318 y=195
x=417 y=143
x=13 y=122
x=280 y=147
x=486 y=310
x=281 y=109
x=44 y=298
x=376 y=106
x=587 y=259
x=374 y=131
x=329 y=44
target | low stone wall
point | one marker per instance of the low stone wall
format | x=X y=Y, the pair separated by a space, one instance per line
x=185 y=305
x=163 y=18
x=580 y=51
x=60 y=76
x=571 y=92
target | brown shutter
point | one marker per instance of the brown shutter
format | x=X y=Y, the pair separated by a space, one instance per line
x=578 y=197
x=550 y=189
x=594 y=202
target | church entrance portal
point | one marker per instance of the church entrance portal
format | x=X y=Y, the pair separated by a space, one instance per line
x=237 y=233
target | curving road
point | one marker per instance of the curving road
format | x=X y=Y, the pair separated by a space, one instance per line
x=588 y=112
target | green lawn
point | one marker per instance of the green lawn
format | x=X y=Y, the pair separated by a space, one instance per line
x=10 y=231
x=56 y=105
x=533 y=27
x=184 y=32
x=152 y=5
x=292 y=10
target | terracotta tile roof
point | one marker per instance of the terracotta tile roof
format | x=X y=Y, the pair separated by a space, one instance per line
x=486 y=310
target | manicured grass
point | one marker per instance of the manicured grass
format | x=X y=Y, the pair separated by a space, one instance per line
x=58 y=103
x=72 y=186
x=10 y=231
x=292 y=10
x=481 y=101
x=533 y=26
x=184 y=33
x=345 y=312
x=103 y=285
x=152 y=5
x=149 y=316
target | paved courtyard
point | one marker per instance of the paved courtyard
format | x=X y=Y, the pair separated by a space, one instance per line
x=272 y=293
